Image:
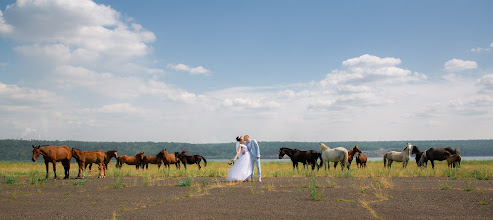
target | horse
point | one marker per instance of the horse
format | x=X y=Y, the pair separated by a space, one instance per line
x=185 y=159
x=418 y=154
x=88 y=157
x=350 y=155
x=298 y=156
x=107 y=158
x=433 y=154
x=338 y=154
x=171 y=159
x=130 y=160
x=158 y=159
x=397 y=156
x=452 y=160
x=53 y=154
x=361 y=160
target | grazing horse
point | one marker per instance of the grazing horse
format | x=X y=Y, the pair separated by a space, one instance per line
x=53 y=154
x=298 y=156
x=130 y=160
x=397 y=156
x=190 y=159
x=107 y=158
x=361 y=160
x=452 y=160
x=171 y=159
x=338 y=154
x=158 y=159
x=418 y=154
x=433 y=154
x=88 y=157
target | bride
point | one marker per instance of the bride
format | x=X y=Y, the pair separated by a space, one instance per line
x=242 y=169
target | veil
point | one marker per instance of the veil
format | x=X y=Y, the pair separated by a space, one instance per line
x=237 y=146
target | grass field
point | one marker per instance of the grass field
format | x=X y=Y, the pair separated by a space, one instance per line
x=34 y=173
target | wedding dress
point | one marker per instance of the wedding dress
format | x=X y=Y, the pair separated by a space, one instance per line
x=243 y=166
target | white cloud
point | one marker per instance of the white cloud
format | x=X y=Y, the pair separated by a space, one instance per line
x=15 y=95
x=126 y=108
x=200 y=70
x=487 y=81
x=480 y=49
x=458 y=65
x=4 y=27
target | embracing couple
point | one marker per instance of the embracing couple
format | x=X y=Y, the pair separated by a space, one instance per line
x=248 y=154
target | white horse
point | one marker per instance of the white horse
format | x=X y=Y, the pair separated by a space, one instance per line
x=398 y=156
x=338 y=154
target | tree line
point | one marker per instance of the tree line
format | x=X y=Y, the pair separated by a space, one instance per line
x=21 y=150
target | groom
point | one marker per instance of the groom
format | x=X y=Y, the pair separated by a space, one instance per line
x=255 y=154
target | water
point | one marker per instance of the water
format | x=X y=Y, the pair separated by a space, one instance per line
x=464 y=158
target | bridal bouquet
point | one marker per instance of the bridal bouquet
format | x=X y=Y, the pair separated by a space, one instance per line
x=231 y=162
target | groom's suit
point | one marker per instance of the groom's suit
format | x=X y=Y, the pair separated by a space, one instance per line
x=252 y=146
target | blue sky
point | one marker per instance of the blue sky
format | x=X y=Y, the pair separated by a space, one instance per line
x=207 y=71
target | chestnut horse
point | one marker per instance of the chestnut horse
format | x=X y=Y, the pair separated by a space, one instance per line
x=53 y=154
x=361 y=160
x=107 y=158
x=452 y=160
x=171 y=159
x=88 y=157
x=158 y=159
x=130 y=160
x=195 y=159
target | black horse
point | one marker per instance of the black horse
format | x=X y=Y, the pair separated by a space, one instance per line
x=297 y=156
x=433 y=154
x=195 y=159
x=418 y=154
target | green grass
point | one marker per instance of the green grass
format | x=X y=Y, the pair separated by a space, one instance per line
x=312 y=190
x=186 y=182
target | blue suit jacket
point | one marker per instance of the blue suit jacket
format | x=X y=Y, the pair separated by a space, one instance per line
x=253 y=148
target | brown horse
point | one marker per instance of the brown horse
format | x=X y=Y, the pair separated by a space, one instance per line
x=361 y=160
x=158 y=159
x=88 y=157
x=195 y=159
x=130 y=160
x=107 y=158
x=170 y=159
x=53 y=154
x=453 y=160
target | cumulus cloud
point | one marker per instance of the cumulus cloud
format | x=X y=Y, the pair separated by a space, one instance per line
x=487 y=81
x=4 y=27
x=368 y=68
x=458 y=65
x=15 y=95
x=200 y=70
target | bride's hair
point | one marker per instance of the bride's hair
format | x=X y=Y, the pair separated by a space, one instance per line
x=238 y=138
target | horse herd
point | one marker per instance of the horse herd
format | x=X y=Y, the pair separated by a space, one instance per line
x=344 y=157
x=64 y=154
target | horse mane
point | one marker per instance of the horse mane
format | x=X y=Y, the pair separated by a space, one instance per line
x=323 y=147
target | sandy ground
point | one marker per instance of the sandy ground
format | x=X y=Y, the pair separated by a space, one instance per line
x=274 y=198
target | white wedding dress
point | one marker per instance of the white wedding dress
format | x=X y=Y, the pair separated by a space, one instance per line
x=242 y=169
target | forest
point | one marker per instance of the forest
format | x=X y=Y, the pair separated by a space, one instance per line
x=21 y=150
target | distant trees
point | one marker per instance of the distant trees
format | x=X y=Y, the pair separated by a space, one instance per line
x=21 y=150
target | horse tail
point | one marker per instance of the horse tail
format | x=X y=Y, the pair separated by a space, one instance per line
x=205 y=161
x=385 y=160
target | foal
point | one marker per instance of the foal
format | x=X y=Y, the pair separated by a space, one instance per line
x=453 y=160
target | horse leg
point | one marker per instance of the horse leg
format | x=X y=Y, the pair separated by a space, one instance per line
x=432 y=164
x=198 y=164
x=47 y=168
x=54 y=168
x=390 y=163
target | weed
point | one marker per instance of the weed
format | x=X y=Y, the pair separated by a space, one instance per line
x=205 y=182
x=186 y=182
x=118 y=183
x=382 y=196
x=344 y=200
x=80 y=182
x=312 y=189
x=362 y=189
x=330 y=183
x=10 y=180
x=483 y=202
x=470 y=185
x=66 y=194
x=446 y=185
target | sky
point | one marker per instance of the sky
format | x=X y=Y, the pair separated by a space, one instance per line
x=208 y=71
